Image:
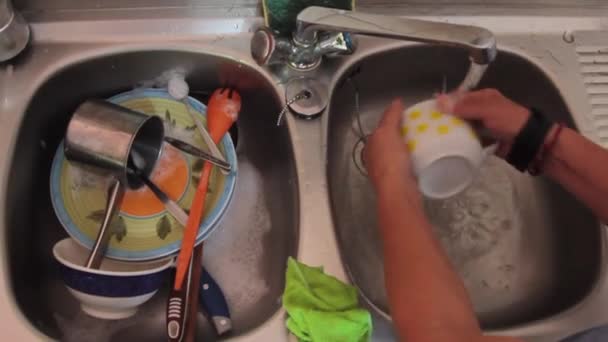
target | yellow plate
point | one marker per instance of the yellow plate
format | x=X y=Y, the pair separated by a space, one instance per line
x=144 y=229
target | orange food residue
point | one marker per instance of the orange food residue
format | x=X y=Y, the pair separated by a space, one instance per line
x=170 y=174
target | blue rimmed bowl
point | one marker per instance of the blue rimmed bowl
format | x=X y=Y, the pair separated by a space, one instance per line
x=116 y=289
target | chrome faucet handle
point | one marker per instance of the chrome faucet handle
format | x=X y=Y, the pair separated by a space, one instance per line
x=307 y=57
x=336 y=43
x=267 y=48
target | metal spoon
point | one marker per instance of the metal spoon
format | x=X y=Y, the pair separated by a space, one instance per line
x=172 y=207
x=192 y=150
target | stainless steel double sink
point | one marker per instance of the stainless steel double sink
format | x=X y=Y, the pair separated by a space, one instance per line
x=531 y=257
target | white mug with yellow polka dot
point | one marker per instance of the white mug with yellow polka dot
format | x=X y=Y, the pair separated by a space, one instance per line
x=445 y=151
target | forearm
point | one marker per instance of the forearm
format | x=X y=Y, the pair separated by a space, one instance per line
x=428 y=300
x=581 y=167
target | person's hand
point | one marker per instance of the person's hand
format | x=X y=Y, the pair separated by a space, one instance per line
x=502 y=117
x=385 y=156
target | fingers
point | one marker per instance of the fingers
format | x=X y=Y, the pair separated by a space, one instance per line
x=446 y=102
x=469 y=105
x=474 y=105
x=390 y=122
x=392 y=114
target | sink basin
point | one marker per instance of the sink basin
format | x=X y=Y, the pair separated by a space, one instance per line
x=246 y=255
x=525 y=249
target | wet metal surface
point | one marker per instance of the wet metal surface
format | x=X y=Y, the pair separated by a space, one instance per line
x=533 y=260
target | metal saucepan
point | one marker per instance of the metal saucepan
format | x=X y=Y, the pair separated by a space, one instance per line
x=104 y=135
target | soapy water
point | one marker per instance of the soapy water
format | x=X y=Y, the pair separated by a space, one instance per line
x=471 y=223
x=84 y=328
x=243 y=232
x=162 y=80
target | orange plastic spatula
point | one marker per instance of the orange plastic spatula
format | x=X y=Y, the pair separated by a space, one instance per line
x=222 y=112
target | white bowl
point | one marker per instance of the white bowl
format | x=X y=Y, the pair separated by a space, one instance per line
x=116 y=289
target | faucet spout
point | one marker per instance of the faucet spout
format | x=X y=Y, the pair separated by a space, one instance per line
x=480 y=42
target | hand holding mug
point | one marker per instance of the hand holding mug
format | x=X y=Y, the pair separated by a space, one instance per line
x=446 y=153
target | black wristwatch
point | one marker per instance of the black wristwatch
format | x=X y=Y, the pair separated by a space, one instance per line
x=529 y=140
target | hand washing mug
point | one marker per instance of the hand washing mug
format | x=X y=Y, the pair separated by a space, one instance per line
x=445 y=151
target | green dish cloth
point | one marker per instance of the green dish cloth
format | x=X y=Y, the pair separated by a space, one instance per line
x=321 y=308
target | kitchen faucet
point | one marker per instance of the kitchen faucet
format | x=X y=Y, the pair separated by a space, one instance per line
x=323 y=31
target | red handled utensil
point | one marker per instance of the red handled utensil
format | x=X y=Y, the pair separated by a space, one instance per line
x=222 y=111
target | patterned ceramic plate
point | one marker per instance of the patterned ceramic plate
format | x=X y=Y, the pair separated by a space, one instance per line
x=145 y=230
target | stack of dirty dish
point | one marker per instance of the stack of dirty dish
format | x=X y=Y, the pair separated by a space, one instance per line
x=112 y=275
